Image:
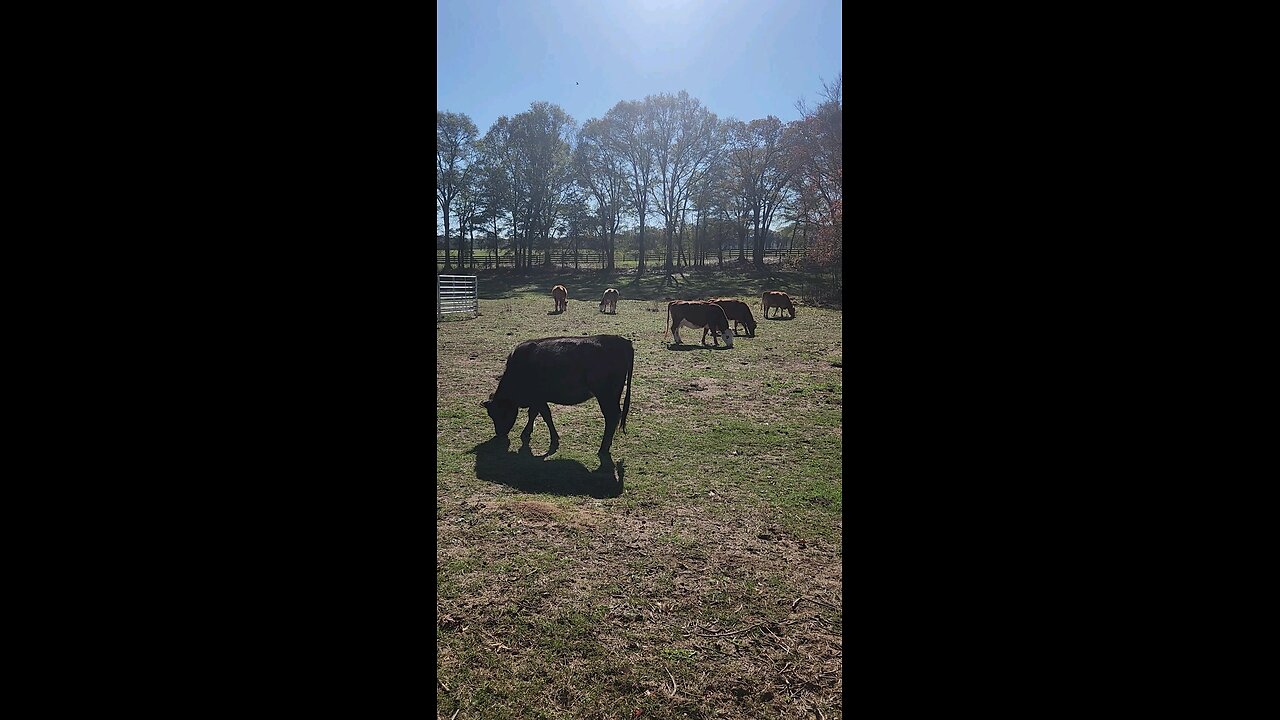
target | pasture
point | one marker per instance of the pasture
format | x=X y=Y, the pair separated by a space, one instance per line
x=700 y=576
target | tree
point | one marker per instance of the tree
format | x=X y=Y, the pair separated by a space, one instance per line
x=630 y=137
x=468 y=208
x=492 y=190
x=601 y=172
x=542 y=137
x=819 y=159
x=455 y=135
x=684 y=144
x=506 y=160
x=763 y=166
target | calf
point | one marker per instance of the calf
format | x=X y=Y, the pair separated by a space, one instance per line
x=776 y=299
x=560 y=294
x=610 y=300
x=564 y=371
x=699 y=314
x=738 y=312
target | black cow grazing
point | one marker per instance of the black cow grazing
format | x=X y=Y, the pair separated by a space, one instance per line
x=738 y=312
x=564 y=371
x=776 y=299
x=699 y=314
x=610 y=300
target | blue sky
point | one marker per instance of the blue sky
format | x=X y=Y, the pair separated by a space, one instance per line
x=745 y=59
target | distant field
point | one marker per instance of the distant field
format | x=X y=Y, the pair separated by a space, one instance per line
x=707 y=581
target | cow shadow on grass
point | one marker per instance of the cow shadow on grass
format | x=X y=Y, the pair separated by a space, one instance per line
x=526 y=472
x=686 y=348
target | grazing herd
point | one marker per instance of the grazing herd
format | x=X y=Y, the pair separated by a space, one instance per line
x=696 y=313
x=572 y=370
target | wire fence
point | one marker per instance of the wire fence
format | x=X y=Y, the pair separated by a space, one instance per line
x=588 y=259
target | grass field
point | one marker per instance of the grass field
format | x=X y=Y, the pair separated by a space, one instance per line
x=700 y=576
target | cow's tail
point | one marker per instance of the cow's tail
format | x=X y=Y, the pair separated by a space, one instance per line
x=666 y=329
x=626 y=404
x=762 y=310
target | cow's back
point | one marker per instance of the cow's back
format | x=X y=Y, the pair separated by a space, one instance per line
x=735 y=309
x=566 y=370
x=697 y=312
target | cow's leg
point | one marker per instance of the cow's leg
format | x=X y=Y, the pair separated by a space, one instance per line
x=704 y=334
x=528 y=428
x=555 y=436
x=612 y=414
x=675 y=332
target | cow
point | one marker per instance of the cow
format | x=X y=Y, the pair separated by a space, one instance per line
x=699 y=314
x=564 y=371
x=560 y=294
x=776 y=299
x=610 y=300
x=738 y=312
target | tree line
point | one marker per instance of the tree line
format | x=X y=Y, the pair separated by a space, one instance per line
x=657 y=164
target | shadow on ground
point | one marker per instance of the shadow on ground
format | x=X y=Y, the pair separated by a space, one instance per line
x=526 y=472
x=589 y=285
x=683 y=348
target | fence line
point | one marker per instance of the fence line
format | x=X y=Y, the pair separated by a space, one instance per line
x=597 y=259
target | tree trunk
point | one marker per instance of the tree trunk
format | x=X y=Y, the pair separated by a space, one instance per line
x=697 y=240
x=757 y=248
x=670 y=239
x=640 y=249
x=682 y=261
x=446 y=239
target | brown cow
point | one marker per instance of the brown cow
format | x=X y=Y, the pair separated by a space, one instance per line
x=610 y=300
x=699 y=314
x=560 y=294
x=776 y=299
x=738 y=312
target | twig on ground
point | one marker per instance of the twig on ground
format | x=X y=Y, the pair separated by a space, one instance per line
x=735 y=632
x=673 y=682
x=455 y=712
x=816 y=602
x=446 y=687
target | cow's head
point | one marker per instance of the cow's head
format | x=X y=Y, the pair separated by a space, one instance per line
x=791 y=308
x=751 y=327
x=502 y=413
x=728 y=338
